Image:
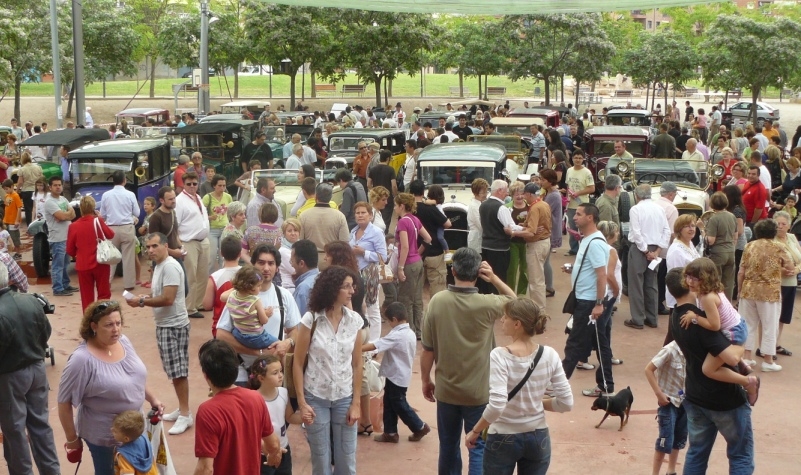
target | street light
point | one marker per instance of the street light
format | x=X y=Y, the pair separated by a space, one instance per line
x=56 y=61
x=203 y=96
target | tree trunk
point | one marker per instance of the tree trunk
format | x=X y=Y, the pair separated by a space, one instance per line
x=386 y=95
x=547 y=90
x=666 y=94
x=378 y=91
x=754 y=99
x=647 y=92
x=153 y=77
x=577 y=97
x=236 y=82
x=292 y=77
x=313 y=86
x=17 y=99
x=486 y=85
x=461 y=83
x=479 y=86
x=563 y=87
x=69 y=100
x=389 y=87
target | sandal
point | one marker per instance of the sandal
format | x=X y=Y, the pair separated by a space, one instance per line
x=146 y=285
x=365 y=430
x=780 y=350
x=550 y=292
x=139 y=282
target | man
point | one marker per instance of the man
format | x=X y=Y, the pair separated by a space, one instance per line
x=575 y=138
x=193 y=230
x=89 y=122
x=293 y=159
x=768 y=131
x=360 y=164
x=649 y=232
x=309 y=189
x=178 y=174
x=580 y=185
x=304 y=260
x=714 y=126
x=458 y=336
x=537 y=234
x=373 y=149
x=16 y=129
x=754 y=196
x=58 y=216
x=309 y=153
x=589 y=283
x=721 y=132
x=321 y=224
x=667 y=193
x=497 y=226
x=208 y=174
x=664 y=146
x=265 y=193
x=197 y=166
x=289 y=148
x=163 y=221
x=429 y=131
x=410 y=165
x=24 y=331
x=711 y=406
x=620 y=152
x=538 y=146
x=384 y=175
x=448 y=133
x=764 y=175
x=782 y=135
x=257 y=150
x=763 y=141
x=172 y=325
x=233 y=427
x=565 y=138
x=63 y=152
x=462 y=130
x=681 y=141
x=352 y=194
x=692 y=152
x=434 y=267
x=400 y=121
x=120 y=210
x=688 y=112
x=607 y=203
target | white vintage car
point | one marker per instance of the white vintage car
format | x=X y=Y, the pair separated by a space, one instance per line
x=287 y=186
x=692 y=178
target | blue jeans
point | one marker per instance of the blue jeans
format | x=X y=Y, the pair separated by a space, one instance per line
x=529 y=451
x=102 y=458
x=60 y=261
x=737 y=334
x=256 y=341
x=328 y=415
x=672 y=428
x=454 y=422
x=733 y=425
x=396 y=406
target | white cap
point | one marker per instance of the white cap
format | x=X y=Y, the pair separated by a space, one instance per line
x=524 y=177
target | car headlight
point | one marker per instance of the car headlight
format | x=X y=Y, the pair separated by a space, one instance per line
x=602 y=175
x=623 y=168
x=717 y=171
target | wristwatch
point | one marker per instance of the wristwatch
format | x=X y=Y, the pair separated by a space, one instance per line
x=599 y=301
x=695 y=321
x=141 y=301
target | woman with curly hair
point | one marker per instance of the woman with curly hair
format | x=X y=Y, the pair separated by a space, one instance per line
x=382 y=215
x=327 y=371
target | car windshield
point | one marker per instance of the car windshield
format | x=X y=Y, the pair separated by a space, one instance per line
x=510 y=142
x=438 y=173
x=283 y=177
x=340 y=144
x=520 y=130
x=642 y=121
x=99 y=170
x=275 y=134
x=603 y=148
x=688 y=173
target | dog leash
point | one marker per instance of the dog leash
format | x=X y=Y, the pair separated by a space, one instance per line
x=598 y=352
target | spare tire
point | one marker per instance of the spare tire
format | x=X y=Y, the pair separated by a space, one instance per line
x=41 y=255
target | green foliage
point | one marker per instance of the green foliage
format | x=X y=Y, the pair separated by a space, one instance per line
x=663 y=56
x=693 y=22
x=178 y=44
x=624 y=33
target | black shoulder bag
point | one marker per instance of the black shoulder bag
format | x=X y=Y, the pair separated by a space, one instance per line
x=523 y=381
x=570 y=302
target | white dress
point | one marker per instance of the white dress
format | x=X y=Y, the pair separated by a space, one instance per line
x=474 y=225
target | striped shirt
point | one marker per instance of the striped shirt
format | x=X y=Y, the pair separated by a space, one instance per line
x=729 y=316
x=243 y=312
x=670 y=371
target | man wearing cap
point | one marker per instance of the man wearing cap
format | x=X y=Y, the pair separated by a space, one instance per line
x=398 y=110
x=400 y=124
x=257 y=150
x=178 y=174
x=462 y=130
x=415 y=114
x=537 y=234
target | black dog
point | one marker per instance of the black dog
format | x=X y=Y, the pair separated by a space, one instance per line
x=619 y=405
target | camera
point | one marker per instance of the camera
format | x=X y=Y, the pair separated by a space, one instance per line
x=48 y=307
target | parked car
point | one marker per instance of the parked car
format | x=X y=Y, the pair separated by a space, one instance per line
x=742 y=111
x=550 y=116
x=146 y=163
x=599 y=143
x=631 y=117
x=691 y=177
x=138 y=115
x=517 y=151
x=516 y=125
x=287 y=186
x=245 y=109
x=344 y=144
x=52 y=142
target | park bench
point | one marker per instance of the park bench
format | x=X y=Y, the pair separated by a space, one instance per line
x=326 y=88
x=455 y=91
x=353 y=88
x=735 y=94
x=496 y=91
x=690 y=91
x=623 y=93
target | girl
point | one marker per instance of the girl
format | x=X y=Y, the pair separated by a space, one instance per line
x=702 y=278
x=247 y=312
x=39 y=198
x=150 y=206
x=267 y=377
x=436 y=197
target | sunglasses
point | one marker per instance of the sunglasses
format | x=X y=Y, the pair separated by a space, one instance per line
x=190 y=184
x=108 y=304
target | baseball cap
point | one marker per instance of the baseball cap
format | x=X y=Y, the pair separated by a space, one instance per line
x=532 y=188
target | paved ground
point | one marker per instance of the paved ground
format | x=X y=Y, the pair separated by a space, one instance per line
x=577 y=446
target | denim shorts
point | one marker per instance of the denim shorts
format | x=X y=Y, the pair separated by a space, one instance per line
x=737 y=334
x=672 y=428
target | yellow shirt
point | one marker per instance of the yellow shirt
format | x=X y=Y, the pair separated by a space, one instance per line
x=310 y=204
x=123 y=467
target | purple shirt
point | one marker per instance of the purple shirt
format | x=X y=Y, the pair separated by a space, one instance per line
x=102 y=390
x=554 y=200
x=412 y=226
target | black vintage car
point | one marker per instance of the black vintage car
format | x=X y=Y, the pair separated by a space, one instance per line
x=51 y=142
x=343 y=145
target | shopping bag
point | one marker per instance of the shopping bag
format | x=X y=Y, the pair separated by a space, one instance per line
x=155 y=432
x=374 y=382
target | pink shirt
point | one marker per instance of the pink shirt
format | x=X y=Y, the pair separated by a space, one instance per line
x=412 y=226
x=729 y=317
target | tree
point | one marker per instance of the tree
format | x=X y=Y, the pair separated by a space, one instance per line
x=463 y=45
x=149 y=19
x=694 y=21
x=733 y=37
x=624 y=33
x=663 y=56
x=231 y=44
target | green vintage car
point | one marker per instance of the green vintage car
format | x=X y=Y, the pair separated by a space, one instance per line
x=48 y=145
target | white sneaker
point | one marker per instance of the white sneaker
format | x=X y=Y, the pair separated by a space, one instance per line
x=772 y=367
x=183 y=423
x=585 y=366
x=171 y=417
x=750 y=363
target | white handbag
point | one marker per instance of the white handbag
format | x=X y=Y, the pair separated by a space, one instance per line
x=374 y=382
x=106 y=252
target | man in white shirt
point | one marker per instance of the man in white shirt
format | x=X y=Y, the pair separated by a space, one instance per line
x=648 y=233
x=193 y=231
x=309 y=156
x=88 y=121
x=692 y=152
x=667 y=192
x=265 y=193
x=293 y=161
x=714 y=127
x=763 y=141
x=120 y=210
x=291 y=144
x=764 y=174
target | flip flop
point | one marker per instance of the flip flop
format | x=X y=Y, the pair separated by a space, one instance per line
x=780 y=350
x=146 y=285
x=365 y=430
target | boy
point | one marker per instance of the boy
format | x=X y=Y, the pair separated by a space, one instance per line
x=135 y=455
x=205 y=187
x=12 y=216
x=399 y=346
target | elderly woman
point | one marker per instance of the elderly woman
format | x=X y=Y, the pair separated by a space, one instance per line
x=681 y=251
x=26 y=183
x=382 y=215
x=726 y=161
x=11 y=150
x=516 y=276
x=370 y=247
x=237 y=217
x=764 y=263
x=789 y=283
x=327 y=371
x=410 y=264
x=266 y=232
x=82 y=238
x=720 y=234
x=738 y=174
x=517 y=432
x=291 y=231
x=103 y=377
x=480 y=188
x=716 y=155
x=791 y=182
x=216 y=204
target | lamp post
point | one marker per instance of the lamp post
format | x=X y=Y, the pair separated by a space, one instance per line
x=203 y=99
x=77 y=46
x=56 y=61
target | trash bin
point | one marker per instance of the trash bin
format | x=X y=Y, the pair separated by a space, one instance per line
x=537 y=91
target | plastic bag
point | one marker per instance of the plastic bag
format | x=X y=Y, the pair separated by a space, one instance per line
x=155 y=432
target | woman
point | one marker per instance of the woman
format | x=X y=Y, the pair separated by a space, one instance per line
x=555 y=144
x=237 y=217
x=303 y=172
x=369 y=245
x=716 y=155
x=516 y=276
x=736 y=207
x=11 y=150
x=720 y=234
x=216 y=204
x=379 y=196
x=327 y=370
x=82 y=238
x=266 y=232
x=792 y=181
x=740 y=140
x=764 y=263
x=479 y=187
x=39 y=198
x=681 y=251
x=103 y=377
x=726 y=161
x=291 y=231
x=553 y=197
x=28 y=175
x=789 y=283
x=124 y=130
x=774 y=164
x=702 y=149
x=700 y=125
x=339 y=253
x=410 y=264
x=556 y=162
x=517 y=432
x=738 y=171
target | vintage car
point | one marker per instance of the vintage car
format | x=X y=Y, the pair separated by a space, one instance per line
x=691 y=177
x=245 y=109
x=517 y=151
x=517 y=125
x=221 y=143
x=344 y=144
x=599 y=144
x=146 y=163
x=287 y=186
x=138 y=115
x=549 y=116
x=51 y=143
x=4 y=131
x=631 y=117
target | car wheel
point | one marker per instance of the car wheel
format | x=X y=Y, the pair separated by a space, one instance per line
x=41 y=255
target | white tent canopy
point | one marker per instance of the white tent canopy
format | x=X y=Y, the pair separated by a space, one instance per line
x=496 y=7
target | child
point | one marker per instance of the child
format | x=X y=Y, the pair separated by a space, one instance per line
x=39 y=198
x=399 y=344
x=13 y=214
x=665 y=373
x=789 y=206
x=702 y=278
x=205 y=187
x=436 y=196
x=244 y=182
x=267 y=376
x=135 y=455
x=247 y=312
x=150 y=206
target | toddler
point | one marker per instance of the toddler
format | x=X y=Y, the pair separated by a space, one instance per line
x=135 y=455
x=247 y=312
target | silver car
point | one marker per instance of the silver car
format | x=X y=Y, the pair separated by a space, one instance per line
x=742 y=111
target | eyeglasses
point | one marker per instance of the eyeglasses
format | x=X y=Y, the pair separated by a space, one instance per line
x=348 y=287
x=102 y=307
x=362 y=148
x=190 y=184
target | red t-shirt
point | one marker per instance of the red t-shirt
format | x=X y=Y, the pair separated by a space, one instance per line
x=754 y=197
x=229 y=428
x=178 y=176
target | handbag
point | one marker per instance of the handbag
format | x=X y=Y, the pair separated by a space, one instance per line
x=570 y=302
x=107 y=253
x=289 y=360
x=385 y=274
